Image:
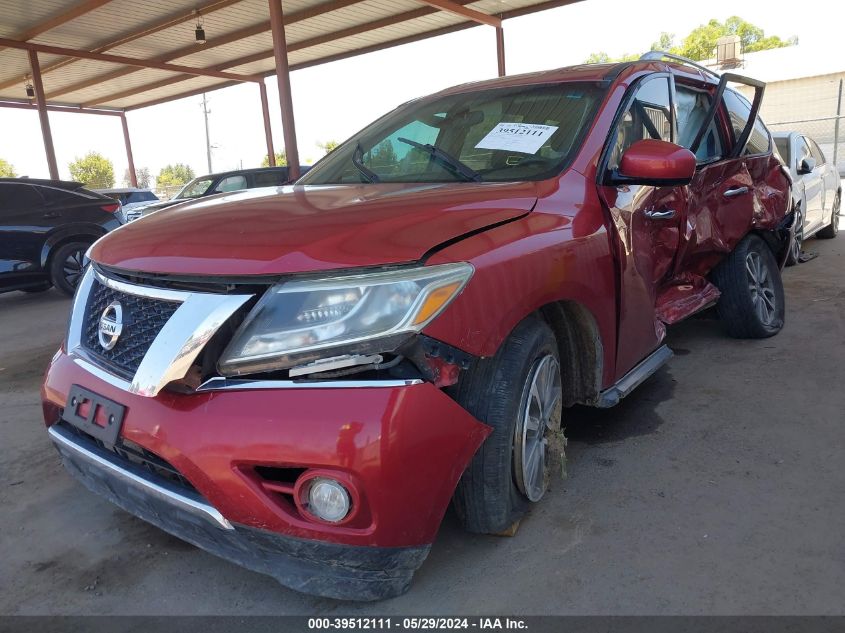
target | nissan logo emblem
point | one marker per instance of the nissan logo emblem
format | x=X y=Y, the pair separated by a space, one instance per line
x=111 y=325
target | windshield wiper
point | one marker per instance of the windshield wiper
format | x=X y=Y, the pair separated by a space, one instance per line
x=447 y=160
x=357 y=160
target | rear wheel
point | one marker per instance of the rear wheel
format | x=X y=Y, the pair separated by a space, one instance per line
x=518 y=393
x=752 y=301
x=66 y=266
x=832 y=229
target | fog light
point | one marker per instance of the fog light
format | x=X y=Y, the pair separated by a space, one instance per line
x=328 y=500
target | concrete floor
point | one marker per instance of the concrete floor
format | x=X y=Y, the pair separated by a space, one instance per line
x=718 y=487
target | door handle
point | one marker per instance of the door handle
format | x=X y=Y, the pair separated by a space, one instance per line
x=732 y=193
x=666 y=214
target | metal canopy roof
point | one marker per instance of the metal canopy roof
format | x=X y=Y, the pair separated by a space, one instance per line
x=115 y=41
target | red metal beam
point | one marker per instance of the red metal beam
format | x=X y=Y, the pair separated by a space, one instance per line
x=150 y=29
x=133 y=179
x=222 y=40
x=71 y=14
x=500 y=50
x=43 y=118
x=268 y=131
x=280 y=52
x=464 y=12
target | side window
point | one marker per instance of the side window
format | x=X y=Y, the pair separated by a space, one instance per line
x=19 y=197
x=648 y=116
x=817 y=153
x=738 y=112
x=231 y=183
x=803 y=151
x=269 y=178
x=692 y=107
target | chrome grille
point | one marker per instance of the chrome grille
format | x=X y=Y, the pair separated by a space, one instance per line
x=143 y=319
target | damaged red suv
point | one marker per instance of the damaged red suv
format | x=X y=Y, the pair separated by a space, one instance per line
x=301 y=380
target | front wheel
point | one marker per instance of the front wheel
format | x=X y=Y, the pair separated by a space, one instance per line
x=832 y=229
x=67 y=266
x=752 y=301
x=518 y=393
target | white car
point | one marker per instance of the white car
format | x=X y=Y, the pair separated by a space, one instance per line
x=817 y=189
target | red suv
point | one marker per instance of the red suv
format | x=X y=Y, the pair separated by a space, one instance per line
x=301 y=380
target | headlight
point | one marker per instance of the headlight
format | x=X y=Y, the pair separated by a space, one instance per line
x=297 y=321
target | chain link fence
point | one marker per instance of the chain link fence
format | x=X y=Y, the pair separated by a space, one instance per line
x=813 y=108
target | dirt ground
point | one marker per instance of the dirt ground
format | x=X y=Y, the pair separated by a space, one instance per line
x=718 y=487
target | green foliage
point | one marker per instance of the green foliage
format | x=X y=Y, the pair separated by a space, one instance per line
x=383 y=154
x=174 y=175
x=281 y=160
x=7 y=170
x=700 y=44
x=142 y=176
x=93 y=170
x=328 y=146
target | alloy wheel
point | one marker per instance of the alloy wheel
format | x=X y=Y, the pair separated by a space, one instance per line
x=72 y=267
x=539 y=418
x=761 y=287
x=834 y=215
x=799 y=234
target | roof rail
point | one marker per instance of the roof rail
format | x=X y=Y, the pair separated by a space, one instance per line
x=661 y=55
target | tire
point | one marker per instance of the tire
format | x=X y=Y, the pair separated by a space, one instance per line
x=495 y=491
x=66 y=266
x=798 y=239
x=752 y=304
x=832 y=229
x=42 y=287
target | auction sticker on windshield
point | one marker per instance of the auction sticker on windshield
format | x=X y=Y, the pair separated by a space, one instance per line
x=517 y=137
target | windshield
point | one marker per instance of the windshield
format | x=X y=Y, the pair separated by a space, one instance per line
x=194 y=189
x=504 y=134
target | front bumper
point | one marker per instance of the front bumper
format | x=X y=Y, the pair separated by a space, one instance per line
x=404 y=447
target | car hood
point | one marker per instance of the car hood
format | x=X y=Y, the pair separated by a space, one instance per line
x=310 y=228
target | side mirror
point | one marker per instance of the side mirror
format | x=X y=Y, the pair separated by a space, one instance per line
x=656 y=163
x=806 y=166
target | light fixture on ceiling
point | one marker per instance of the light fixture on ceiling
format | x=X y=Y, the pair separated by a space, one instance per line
x=199 y=32
x=30 y=91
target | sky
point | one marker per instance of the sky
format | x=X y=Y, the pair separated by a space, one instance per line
x=333 y=101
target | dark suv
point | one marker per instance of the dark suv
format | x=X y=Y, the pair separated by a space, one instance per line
x=45 y=228
x=304 y=390
x=223 y=182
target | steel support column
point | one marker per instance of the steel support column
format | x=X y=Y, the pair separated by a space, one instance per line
x=268 y=131
x=280 y=52
x=133 y=178
x=500 y=50
x=49 y=150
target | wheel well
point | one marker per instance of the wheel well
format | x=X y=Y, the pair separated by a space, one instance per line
x=580 y=348
x=85 y=239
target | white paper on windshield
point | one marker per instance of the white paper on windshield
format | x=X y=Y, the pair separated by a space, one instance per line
x=517 y=137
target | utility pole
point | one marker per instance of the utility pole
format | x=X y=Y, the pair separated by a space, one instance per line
x=836 y=128
x=206 y=112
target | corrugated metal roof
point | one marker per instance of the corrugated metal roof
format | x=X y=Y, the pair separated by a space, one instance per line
x=239 y=40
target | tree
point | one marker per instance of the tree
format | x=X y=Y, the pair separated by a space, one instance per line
x=328 y=146
x=174 y=175
x=281 y=160
x=700 y=43
x=7 y=170
x=142 y=176
x=93 y=170
x=383 y=155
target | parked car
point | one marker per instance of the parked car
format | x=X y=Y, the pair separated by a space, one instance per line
x=817 y=189
x=303 y=391
x=130 y=197
x=45 y=228
x=224 y=182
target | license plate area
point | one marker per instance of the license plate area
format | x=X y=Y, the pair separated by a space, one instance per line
x=96 y=415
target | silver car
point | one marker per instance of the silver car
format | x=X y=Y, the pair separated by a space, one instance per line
x=817 y=191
